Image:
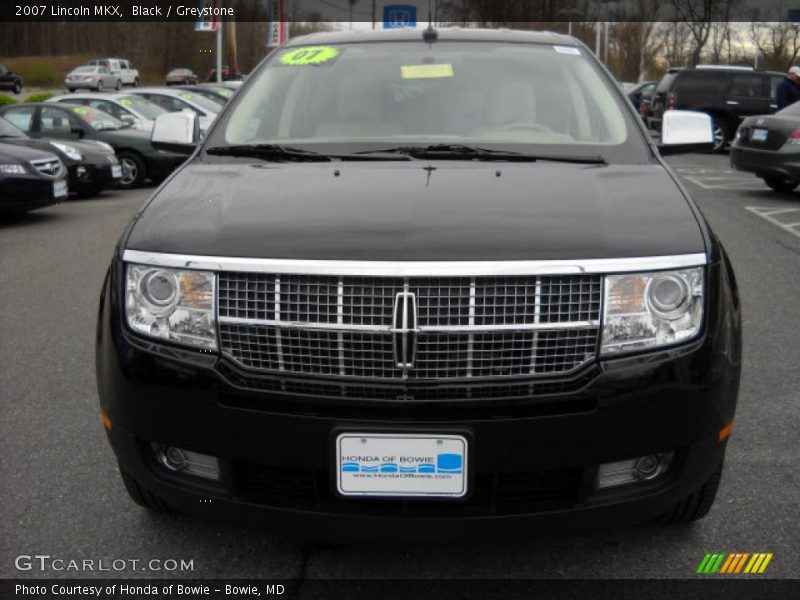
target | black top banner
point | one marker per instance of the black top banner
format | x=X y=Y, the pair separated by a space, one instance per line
x=393 y=13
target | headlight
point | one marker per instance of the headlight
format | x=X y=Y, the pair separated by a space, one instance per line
x=645 y=310
x=13 y=169
x=172 y=304
x=70 y=151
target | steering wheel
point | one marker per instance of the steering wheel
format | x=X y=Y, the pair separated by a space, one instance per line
x=524 y=126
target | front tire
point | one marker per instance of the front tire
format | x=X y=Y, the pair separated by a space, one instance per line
x=118 y=87
x=142 y=496
x=722 y=135
x=781 y=184
x=17 y=88
x=133 y=170
x=696 y=505
x=136 y=82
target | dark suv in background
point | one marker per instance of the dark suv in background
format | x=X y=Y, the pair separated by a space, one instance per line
x=727 y=93
x=10 y=81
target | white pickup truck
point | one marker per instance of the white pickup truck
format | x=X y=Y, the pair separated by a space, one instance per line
x=120 y=67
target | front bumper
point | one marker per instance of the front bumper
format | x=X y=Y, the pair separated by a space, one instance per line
x=534 y=462
x=766 y=163
x=24 y=193
x=96 y=177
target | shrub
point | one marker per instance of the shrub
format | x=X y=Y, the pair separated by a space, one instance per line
x=45 y=71
x=39 y=97
x=5 y=100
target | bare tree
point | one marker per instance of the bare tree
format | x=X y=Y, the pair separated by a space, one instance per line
x=699 y=17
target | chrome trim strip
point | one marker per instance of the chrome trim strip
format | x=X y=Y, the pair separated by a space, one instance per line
x=422 y=329
x=416 y=268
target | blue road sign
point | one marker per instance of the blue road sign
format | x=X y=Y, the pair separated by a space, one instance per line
x=397 y=16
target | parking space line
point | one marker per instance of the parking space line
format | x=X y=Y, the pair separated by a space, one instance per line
x=740 y=184
x=779 y=211
x=764 y=213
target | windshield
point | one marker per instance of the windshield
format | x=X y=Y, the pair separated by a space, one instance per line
x=523 y=97
x=85 y=70
x=199 y=101
x=9 y=130
x=97 y=119
x=149 y=110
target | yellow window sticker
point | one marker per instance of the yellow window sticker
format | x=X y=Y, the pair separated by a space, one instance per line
x=224 y=93
x=426 y=71
x=126 y=102
x=309 y=55
x=186 y=95
x=79 y=110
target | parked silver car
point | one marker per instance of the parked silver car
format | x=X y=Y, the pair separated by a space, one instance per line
x=92 y=77
x=129 y=108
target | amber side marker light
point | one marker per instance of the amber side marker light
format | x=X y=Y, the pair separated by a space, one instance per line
x=725 y=432
x=106 y=420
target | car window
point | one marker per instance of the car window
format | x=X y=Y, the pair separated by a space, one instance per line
x=648 y=90
x=699 y=82
x=396 y=93
x=198 y=100
x=747 y=85
x=9 y=130
x=21 y=116
x=168 y=103
x=55 y=121
x=96 y=118
x=774 y=82
x=107 y=107
x=85 y=70
x=2 y=70
x=144 y=107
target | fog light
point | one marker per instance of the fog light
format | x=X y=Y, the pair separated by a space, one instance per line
x=643 y=468
x=82 y=172
x=186 y=461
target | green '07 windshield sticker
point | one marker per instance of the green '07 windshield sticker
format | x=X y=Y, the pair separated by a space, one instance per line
x=126 y=102
x=309 y=56
x=79 y=110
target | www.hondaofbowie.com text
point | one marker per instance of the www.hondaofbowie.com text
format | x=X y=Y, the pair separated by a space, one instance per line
x=137 y=591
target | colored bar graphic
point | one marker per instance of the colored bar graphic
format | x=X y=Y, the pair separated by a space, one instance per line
x=734 y=563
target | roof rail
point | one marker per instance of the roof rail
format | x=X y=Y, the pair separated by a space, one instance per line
x=726 y=67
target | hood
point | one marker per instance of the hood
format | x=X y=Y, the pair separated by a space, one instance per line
x=12 y=152
x=418 y=210
x=90 y=152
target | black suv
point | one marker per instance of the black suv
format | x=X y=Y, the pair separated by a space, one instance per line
x=10 y=81
x=409 y=286
x=728 y=94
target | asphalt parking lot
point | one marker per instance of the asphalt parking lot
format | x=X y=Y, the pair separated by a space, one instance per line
x=62 y=496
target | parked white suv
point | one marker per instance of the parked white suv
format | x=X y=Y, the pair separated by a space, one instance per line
x=120 y=67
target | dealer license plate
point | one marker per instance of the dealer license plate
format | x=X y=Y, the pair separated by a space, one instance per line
x=394 y=464
x=60 y=188
x=759 y=135
x=116 y=172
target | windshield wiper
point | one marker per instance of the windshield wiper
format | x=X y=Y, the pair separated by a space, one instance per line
x=278 y=152
x=464 y=152
x=268 y=152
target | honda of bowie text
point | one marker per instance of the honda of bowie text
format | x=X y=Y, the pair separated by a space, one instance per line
x=427 y=285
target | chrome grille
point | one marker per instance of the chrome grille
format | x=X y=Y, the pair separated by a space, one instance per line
x=47 y=166
x=465 y=327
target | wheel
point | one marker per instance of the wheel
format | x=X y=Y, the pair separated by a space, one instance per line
x=722 y=135
x=142 y=496
x=100 y=86
x=118 y=87
x=17 y=87
x=136 y=82
x=696 y=505
x=133 y=171
x=781 y=184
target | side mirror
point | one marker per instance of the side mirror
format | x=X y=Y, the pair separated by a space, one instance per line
x=177 y=132
x=686 y=131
